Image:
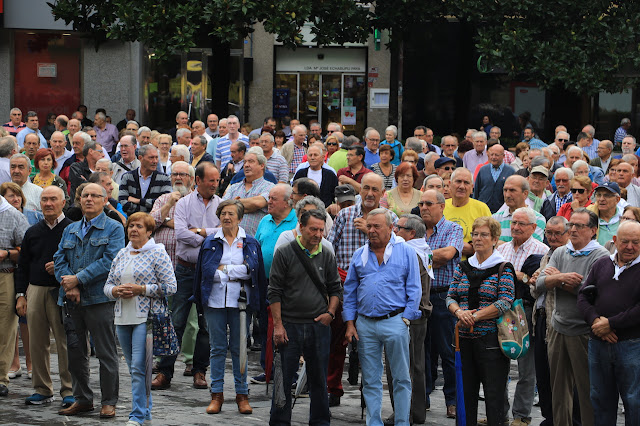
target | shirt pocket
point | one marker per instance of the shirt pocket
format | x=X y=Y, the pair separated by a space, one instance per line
x=69 y=244
x=99 y=241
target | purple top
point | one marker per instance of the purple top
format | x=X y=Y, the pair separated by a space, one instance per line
x=192 y=213
x=107 y=138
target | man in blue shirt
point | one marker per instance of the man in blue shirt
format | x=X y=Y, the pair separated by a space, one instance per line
x=371 y=155
x=383 y=291
x=32 y=127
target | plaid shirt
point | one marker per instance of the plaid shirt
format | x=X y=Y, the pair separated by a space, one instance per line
x=345 y=237
x=446 y=234
x=517 y=257
x=504 y=217
x=261 y=187
x=164 y=234
x=561 y=201
x=298 y=155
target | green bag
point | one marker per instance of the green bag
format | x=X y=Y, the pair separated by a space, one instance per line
x=513 y=331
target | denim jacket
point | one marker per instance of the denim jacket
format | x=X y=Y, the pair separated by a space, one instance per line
x=89 y=258
x=209 y=260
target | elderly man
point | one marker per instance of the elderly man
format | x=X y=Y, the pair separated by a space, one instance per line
x=140 y=188
x=221 y=131
x=32 y=127
x=31 y=146
x=183 y=135
x=516 y=191
x=530 y=138
x=478 y=155
x=113 y=208
x=383 y=291
x=326 y=179
x=621 y=132
x=212 y=126
x=107 y=133
x=538 y=181
x=20 y=167
x=607 y=210
x=199 y=151
x=294 y=150
x=77 y=142
x=199 y=129
x=449 y=145
x=587 y=144
x=372 y=143
x=568 y=338
x=74 y=126
x=79 y=172
x=15 y=124
x=233 y=167
x=8 y=148
x=180 y=153
x=625 y=175
x=491 y=178
x=58 y=146
x=425 y=134
x=613 y=316
x=82 y=263
x=105 y=165
x=628 y=145
x=276 y=163
x=128 y=162
x=35 y=277
x=223 y=154
x=517 y=251
x=130 y=115
x=462 y=209
x=271 y=123
x=194 y=219
x=14 y=225
x=338 y=159
x=411 y=228
x=445 y=238
x=252 y=191
x=552 y=204
x=355 y=170
x=604 y=150
x=574 y=154
x=182 y=121
x=557 y=234
x=562 y=137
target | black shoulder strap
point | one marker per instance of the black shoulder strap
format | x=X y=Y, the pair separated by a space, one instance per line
x=309 y=268
x=121 y=164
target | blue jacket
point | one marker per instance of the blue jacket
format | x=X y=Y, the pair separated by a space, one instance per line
x=89 y=258
x=488 y=191
x=209 y=260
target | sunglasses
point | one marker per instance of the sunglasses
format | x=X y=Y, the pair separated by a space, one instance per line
x=578 y=190
x=332 y=143
x=563 y=140
x=447 y=168
x=427 y=203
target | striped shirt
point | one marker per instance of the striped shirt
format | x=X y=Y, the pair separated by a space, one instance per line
x=445 y=234
x=592 y=150
x=250 y=221
x=504 y=217
x=617 y=138
x=388 y=181
x=277 y=165
x=163 y=234
x=223 y=149
x=14 y=130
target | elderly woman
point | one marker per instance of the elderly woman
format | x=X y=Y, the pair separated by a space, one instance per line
x=581 y=188
x=307 y=203
x=478 y=295
x=390 y=138
x=404 y=197
x=164 y=155
x=410 y=156
x=581 y=168
x=386 y=168
x=332 y=145
x=522 y=152
x=140 y=279
x=229 y=269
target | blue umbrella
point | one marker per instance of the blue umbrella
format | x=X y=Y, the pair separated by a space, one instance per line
x=461 y=417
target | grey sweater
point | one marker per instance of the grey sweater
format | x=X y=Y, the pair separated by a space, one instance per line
x=567 y=318
x=290 y=284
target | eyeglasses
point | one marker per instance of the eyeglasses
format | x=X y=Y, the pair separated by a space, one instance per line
x=578 y=190
x=406 y=228
x=427 y=203
x=603 y=194
x=447 y=168
x=85 y=196
x=563 y=140
x=516 y=223
x=480 y=235
x=577 y=225
x=330 y=131
x=332 y=143
x=178 y=174
x=552 y=234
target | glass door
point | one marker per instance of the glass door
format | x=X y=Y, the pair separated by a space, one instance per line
x=331 y=99
x=309 y=96
x=354 y=104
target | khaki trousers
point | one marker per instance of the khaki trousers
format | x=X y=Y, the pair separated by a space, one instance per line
x=44 y=314
x=8 y=325
x=569 y=367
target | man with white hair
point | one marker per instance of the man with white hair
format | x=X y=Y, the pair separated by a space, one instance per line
x=372 y=143
x=15 y=124
x=591 y=131
x=223 y=154
x=8 y=148
x=198 y=129
x=603 y=158
x=628 y=146
x=574 y=154
x=105 y=165
x=552 y=204
x=79 y=172
x=294 y=150
x=141 y=187
x=58 y=146
x=252 y=191
x=625 y=176
x=183 y=135
x=107 y=134
x=20 y=167
x=182 y=121
x=144 y=136
x=180 y=153
x=621 y=132
x=276 y=163
x=516 y=191
x=128 y=161
x=478 y=155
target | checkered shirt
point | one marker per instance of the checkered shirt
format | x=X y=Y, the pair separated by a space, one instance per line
x=517 y=257
x=163 y=234
x=261 y=187
x=446 y=234
x=298 y=155
x=504 y=217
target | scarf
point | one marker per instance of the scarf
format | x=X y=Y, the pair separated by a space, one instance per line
x=424 y=252
x=387 y=251
x=4 y=204
x=620 y=269
x=496 y=258
x=586 y=250
x=149 y=245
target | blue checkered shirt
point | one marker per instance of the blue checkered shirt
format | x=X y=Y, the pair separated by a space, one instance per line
x=223 y=149
x=446 y=234
x=560 y=201
x=259 y=186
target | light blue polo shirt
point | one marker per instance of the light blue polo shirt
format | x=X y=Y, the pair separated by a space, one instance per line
x=268 y=232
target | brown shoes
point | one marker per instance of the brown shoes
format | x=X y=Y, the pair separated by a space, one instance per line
x=199 y=382
x=188 y=370
x=76 y=409
x=451 y=411
x=108 y=411
x=216 y=403
x=160 y=382
x=243 y=404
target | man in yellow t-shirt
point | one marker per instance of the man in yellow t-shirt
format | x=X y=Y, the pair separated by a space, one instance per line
x=462 y=209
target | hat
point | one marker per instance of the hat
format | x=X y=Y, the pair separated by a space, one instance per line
x=444 y=160
x=540 y=169
x=610 y=186
x=345 y=193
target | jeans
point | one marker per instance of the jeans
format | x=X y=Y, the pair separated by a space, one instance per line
x=440 y=329
x=217 y=321
x=392 y=334
x=525 y=388
x=615 y=369
x=133 y=340
x=483 y=362
x=181 y=308
x=311 y=340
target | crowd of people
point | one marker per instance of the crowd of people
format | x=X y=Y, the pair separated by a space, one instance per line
x=321 y=240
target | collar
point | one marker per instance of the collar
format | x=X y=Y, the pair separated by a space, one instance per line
x=4 y=204
x=620 y=269
x=424 y=252
x=241 y=234
x=585 y=251
x=55 y=222
x=614 y=219
x=480 y=154
x=289 y=218
x=306 y=251
x=387 y=251
x=142 y=177
x=149 y=245
x=499 y=168
x=496 y=258
x=439 y=224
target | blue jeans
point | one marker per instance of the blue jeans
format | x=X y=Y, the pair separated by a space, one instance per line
x=393 y=335
x=440 y=329
x=133 y=340
x=217 y=321
x=311 y=340
x=180 y=314
x=615 y=369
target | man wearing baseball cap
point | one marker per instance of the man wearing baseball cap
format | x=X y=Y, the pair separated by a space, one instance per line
x=538 y=181
x=606 y=207
x=345 y=195
x=445 y=165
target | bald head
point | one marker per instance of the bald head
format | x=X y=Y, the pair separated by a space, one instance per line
x=627 y=241
x=51 y=202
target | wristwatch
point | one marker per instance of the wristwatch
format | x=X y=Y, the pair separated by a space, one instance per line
x=166 y=219
x=19 y=295
x=225 y=270
x=198 y=231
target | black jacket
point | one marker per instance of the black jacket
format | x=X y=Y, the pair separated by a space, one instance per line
x=327 y=186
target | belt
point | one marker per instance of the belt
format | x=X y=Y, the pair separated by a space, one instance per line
x=443 y=289
x=186 y=264
x=383 y=317
x=7 y=270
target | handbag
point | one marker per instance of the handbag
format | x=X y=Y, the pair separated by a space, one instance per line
x=513 y=331
x=165 y=339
